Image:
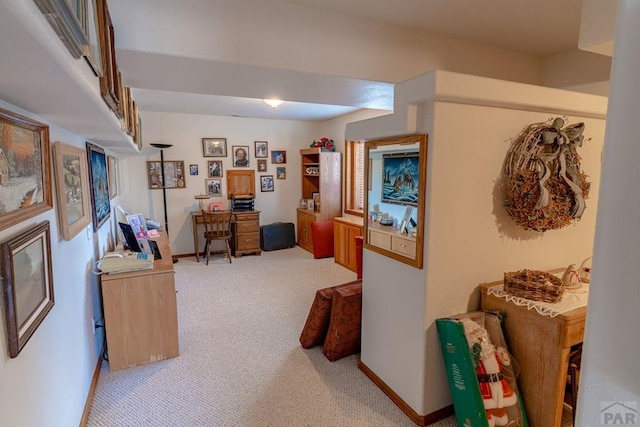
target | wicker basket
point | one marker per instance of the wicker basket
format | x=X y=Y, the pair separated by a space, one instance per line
x=534 y=285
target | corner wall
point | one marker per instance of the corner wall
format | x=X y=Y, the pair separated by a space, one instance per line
x=469 y=239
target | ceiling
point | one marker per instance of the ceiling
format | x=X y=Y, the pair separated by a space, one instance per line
x=160 y=57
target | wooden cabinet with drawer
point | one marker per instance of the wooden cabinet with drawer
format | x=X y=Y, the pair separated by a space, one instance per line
x=344 y=241
x=391 y=240
x=246 y=233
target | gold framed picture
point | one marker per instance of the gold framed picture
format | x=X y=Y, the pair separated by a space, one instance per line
x=72 y=189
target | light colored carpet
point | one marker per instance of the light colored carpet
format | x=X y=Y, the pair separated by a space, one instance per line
x=240 y=361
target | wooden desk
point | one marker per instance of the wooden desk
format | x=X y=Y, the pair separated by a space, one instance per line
x=248 y=228
x=540 y=344
x=140 y=313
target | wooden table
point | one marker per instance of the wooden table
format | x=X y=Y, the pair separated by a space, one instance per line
x=238 y=217
x=541 y=345
x=140 y=312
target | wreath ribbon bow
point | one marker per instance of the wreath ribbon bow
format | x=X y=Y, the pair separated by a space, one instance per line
x=570 y=136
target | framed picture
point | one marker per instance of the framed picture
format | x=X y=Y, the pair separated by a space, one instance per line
x=261 y=151
x=400 y=178
x=278 y=157
x=112 y=169
x=99 y=185
x=241 y=156
x=262 y=165
x=214 y=147
x=91 y=50
x=66 y=16
x=213 y=187
x=316 y=201
x=110 y=81
x=215 y=168
x=27 y=282
x=173 y=174
x=193 y=169
x=281 y=172
x=266 y=183
x=72 y=189
x=25 y=170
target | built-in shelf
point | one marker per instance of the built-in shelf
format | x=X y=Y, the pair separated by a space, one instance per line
x=40 y=75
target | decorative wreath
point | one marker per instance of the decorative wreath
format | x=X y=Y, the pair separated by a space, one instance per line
x=544 y=187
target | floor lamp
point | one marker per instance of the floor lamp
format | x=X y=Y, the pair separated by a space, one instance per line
x=164 y=188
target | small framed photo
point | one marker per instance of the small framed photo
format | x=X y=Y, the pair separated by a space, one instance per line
x=193 y=169
x=214 y=187
x=266 y=183
x=261 y=150
x=262 y=165
x=316 y=201
x=303 y=203
x=214 y=147
x=278 y=157
x=281 y=172
x=310 y=204
x=27 y=284
x=215 y=168
x=241 y=156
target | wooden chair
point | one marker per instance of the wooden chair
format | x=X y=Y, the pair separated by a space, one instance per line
x=573 y=379
x=217 y=226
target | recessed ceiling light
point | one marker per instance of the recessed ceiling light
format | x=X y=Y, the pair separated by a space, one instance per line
x=273 y=103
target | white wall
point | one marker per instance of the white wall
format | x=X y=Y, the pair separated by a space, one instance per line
x=185 y=132
x=471 y=238
x=611 y=347
x=47 y=384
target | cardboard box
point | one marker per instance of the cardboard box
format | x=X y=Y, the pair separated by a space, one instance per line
x=497 y=401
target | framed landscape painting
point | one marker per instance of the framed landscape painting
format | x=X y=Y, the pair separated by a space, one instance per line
x=99 y=185
x=25 y=169
x=72 y=189
x=27 y=284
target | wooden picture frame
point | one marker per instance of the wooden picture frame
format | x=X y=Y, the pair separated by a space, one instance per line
x=241 y=156
x=91 y=51
x=214 y=147
x=72 y=189
x=241 y=182
x=261 y=149
x=173 y=174
x=278 y=157
x=213 y=187
x=112 y=171
x=66 y=18
x=266 y=183
x=29 y=173
x=27 y=284
x=99 y=185
x=110 y=81
x=262 y=165
x=214 y=168
x=281 y=172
